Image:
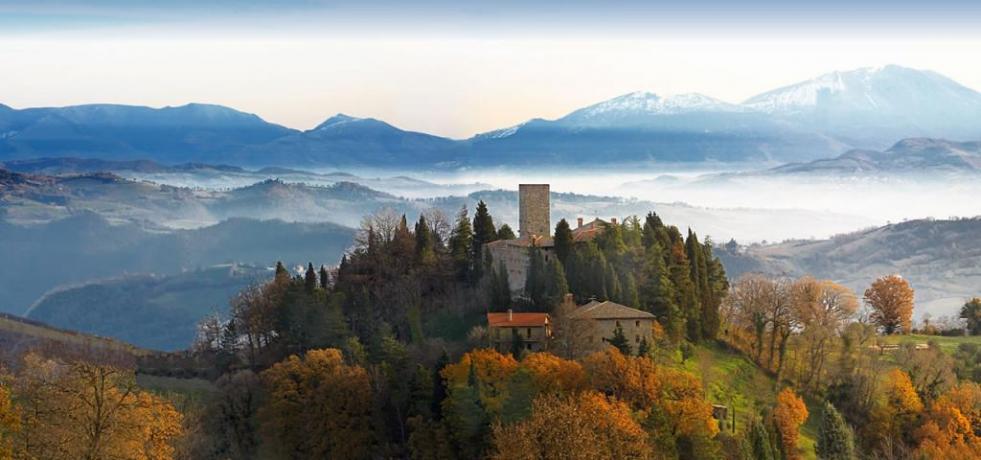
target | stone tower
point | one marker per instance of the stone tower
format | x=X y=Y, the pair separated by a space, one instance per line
x=533 y=210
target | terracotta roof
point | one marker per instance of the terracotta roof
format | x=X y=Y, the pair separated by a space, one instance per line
x=517 y=319
x=609 y=310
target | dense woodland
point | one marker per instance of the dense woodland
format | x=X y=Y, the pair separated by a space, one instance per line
x=385 y=356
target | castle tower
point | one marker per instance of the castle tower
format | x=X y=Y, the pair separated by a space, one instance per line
x=533 y=210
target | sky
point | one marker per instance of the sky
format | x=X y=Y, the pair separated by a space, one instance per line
x=456 y=68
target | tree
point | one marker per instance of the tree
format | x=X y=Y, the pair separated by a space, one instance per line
x=576 y=426
x=500 y=288
x=563 y=241
x=619 y=340
x=535 y=277
x=556 y=286
x=461 y=243
x=971 y=313
x=88 y=411
x=324 y=278
x=310 y=278
x=891 y=299
x=317 y=407
x=789 y=414
x=9 y=423
x=425 y=242
x=759 y=439
x=505 y=233
x=835 y=438
x=483 y=233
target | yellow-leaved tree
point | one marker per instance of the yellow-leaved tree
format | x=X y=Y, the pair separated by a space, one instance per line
x=951 y=424
x=891 y=299
x=9 y=423
x=317 y=407
x=89 y=411
x=583 y=426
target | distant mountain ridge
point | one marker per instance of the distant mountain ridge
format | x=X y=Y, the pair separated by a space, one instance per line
x=867 y=108
x=908 y=156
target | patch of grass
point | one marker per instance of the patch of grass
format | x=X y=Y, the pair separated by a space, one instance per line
x=731 y=379
x=947 y=344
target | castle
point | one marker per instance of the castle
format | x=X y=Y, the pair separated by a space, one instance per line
x=534 y=229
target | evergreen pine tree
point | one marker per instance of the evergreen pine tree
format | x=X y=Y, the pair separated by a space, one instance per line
x=505 y=233
x=535 y=277
x=556 y=286
x=620 y=340
x=439 y=386
x=644 y=348
x=718 y=286
x=835 y=440
x=629 y=294
x=685 y=298
x=466 y=418
x=282 y=275
x=310 y=279
x=324 y=278
x=521 y=394
x=483 y=233
x=461 y=242
x=563 y=241
x=500 y=288
x=657 y=293
x=611 y=283
x=425 y=242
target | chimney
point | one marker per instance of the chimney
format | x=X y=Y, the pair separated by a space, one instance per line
x=510 y=315
x=613 y=220
x=579 y=220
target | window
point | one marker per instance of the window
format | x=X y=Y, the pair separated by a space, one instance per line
x=528 y=332
x=527 y=346
x=637 y=339
x=637 y=323
x=618 y=323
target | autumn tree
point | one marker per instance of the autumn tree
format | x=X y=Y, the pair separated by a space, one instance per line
x=835 y=438
x=891 y=299
x=9 y=423
x=88 y=411
x=316 y=407
x=789 y=414
x=821 y=309
x=576 y=426
x=950 y=428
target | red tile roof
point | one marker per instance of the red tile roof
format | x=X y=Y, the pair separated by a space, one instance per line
x=517 y=319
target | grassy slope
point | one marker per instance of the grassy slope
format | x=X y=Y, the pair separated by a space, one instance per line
x=732 y=379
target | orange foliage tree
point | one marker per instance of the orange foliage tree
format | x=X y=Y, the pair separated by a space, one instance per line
x=891 y=299
x=317 y=407
x=584 y=426
x=789 y=414
x=493 y=371
x=552 y=374
x=951 y=423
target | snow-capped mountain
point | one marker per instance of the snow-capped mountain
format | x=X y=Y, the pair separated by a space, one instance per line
x=638 y=106
x=872 y=107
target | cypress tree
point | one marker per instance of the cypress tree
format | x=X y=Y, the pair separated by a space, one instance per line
x=521 y=395
x=282 y=275
x=556 y=286
x=425 y=242
x=835 y=439
x=439 y=386
x=644 y=349
x=759 y=439
x=461 y=241
x=324 y=278
x=535 y=278
x=483 y=233
x=500 y=288
x=310 y=279
x=611 y=283
x=657 y=293
x=563 y=241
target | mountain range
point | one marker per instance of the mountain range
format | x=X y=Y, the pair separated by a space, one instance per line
x=819 y=118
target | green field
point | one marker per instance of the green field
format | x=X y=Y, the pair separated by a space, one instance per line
x=947 y=344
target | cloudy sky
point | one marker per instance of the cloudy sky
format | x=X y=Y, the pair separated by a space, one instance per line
x=456 y=68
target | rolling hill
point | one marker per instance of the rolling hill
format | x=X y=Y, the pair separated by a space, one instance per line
x=940 y=258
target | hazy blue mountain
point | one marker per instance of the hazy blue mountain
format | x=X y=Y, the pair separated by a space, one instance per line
x=819 y=118
x=342 y=140
x=908 y=156
x=192 y=132
x=872 y=107
x=149 y=311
